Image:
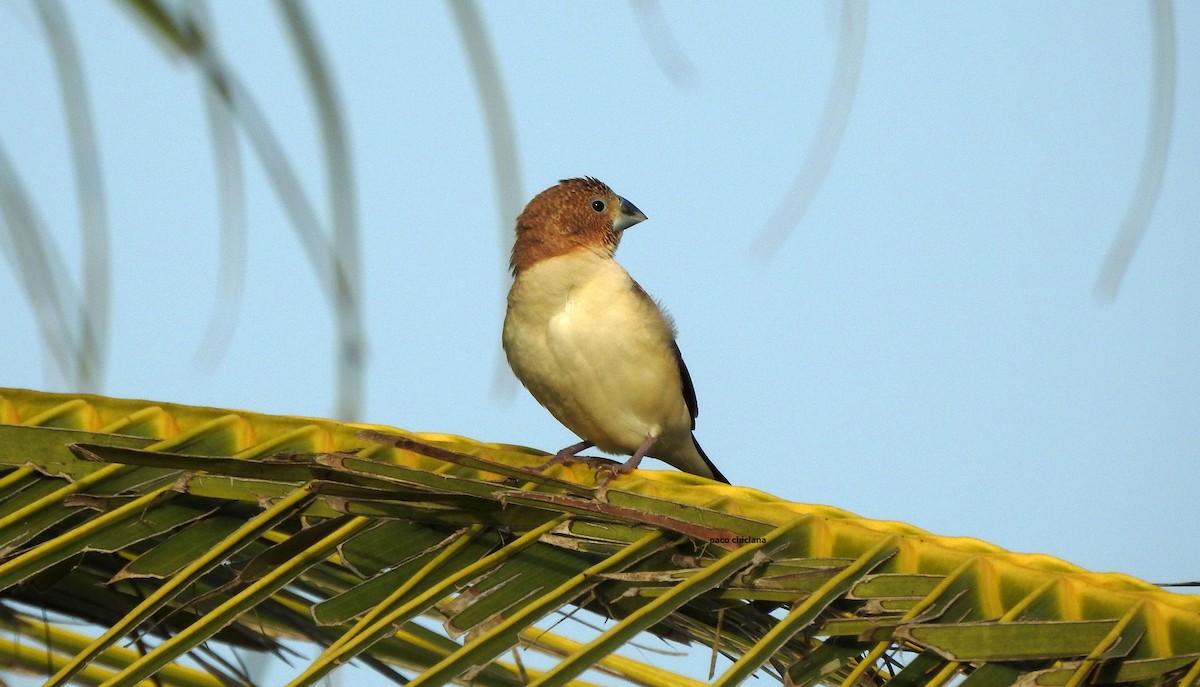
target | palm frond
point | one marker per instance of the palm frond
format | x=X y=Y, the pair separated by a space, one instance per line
x=188 y=528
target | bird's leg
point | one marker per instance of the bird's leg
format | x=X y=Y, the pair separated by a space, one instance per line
x=631 y=464
x=566 y=456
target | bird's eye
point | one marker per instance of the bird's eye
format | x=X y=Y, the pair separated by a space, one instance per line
x=598 y=205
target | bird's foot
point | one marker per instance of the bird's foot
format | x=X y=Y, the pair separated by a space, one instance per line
x=612 y=469
x=604 y=468
x=618 y=469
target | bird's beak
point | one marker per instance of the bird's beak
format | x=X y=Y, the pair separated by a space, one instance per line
x=629 y=216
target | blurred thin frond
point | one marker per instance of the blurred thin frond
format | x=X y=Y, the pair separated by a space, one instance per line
x=673 y=62
x=231 y=204
x=825 y=144
x=73 y=327
x=93 y=215
x=177 y=29
x=42 y=274
x=502 y=144
x=280 y=172
x=328 y=260
x=1154 y=163
x=344 y=236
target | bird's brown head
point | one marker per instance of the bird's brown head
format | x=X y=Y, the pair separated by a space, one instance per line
x=575 y=214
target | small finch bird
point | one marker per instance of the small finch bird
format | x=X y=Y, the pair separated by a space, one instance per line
x=588 y=342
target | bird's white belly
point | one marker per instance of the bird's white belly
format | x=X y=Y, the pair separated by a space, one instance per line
x=599 y=358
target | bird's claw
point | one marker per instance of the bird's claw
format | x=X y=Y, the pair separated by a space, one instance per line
x=606 y=470
x=611 y=471
x=561 y=458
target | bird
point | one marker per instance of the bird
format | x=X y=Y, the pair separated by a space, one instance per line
x=589 y=343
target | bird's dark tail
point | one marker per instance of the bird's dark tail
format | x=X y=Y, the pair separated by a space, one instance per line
x=716 y=473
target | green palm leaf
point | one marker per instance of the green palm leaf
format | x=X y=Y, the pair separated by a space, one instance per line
x=191 y=528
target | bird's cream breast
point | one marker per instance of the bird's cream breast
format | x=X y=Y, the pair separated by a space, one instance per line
x=583 y=300
x=548 y=288
x=594 y=350
x=542 y=299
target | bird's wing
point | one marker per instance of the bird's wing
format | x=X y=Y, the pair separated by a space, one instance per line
x=689 y=391
x=685 y=378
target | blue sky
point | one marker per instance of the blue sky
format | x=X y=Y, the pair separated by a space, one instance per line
x=926 y=346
